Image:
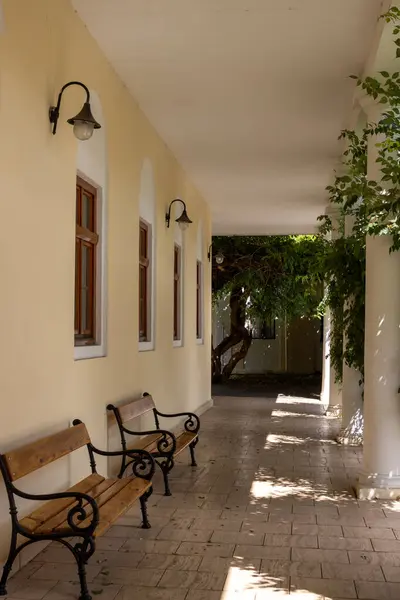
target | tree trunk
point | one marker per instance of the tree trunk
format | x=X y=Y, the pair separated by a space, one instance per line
x=238 y=334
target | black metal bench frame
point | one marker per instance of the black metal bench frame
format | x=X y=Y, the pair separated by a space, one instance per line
x=166 y=444
x=142 y=465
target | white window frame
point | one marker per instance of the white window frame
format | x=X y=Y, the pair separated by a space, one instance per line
x=99 y=348
x=147 y=214
x=200 y=339
x=147 y=345
x=177 y=343
x=200 y=259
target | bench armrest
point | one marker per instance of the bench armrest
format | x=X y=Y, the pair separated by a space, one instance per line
x=166 y=444
x=192 y=423
x=141 y=461
x=76 y=514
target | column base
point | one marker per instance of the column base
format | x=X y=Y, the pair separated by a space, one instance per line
x=377 y=486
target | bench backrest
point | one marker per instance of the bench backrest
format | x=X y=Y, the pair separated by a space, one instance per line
x=29 y=458
x=134 y=408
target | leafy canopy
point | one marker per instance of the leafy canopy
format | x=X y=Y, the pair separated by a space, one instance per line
x=281 y=274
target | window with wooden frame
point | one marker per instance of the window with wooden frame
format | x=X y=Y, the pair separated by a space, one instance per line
x=144 y=282
x=199 y=300
x=177 y=292
x=86 y=243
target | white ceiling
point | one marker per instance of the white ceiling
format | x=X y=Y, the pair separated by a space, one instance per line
x=250 y=95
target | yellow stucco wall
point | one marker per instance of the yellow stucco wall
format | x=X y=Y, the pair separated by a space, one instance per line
x=44 y=45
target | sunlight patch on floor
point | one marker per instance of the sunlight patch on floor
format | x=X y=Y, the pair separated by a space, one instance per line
x=283 y=399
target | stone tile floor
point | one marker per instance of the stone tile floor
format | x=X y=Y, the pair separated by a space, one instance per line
x=268 y=514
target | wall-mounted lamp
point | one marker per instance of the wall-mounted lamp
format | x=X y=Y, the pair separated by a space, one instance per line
x=84 y=122
x=219 y=257
x=183 y=221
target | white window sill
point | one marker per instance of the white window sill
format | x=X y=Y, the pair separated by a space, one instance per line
x=146 y=346
x=199 y=341
x=177 y=343
x=86 y=352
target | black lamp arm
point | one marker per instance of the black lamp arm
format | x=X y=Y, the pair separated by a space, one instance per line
x=168 y=215
x=54 y=112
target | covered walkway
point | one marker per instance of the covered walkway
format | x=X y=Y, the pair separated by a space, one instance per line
x=270 y=512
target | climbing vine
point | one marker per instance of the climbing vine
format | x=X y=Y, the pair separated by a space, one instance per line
x=373 y=207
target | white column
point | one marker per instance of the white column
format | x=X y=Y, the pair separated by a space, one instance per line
x=352 y=403
x=381 y=467
x=380 y=476
x=331 y=394
x=326 y=359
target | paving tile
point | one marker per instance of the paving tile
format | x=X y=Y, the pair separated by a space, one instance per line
x=341 y=543
x=238 y=580
x=304 y=541
x=323 y=530
x=368 y=532
x=352 y=571
x=137 y=533
x=233 y=537
x=71 y=591
x=218 y=564
x=217 y=524
x=64 y=572
x=194 y=548
x=171 y=561
x=291 y=518
x=277 y=568
x=205 y=580
x=381 y=545
x=392 y=574
x=224 y=595
x=150 y=546
x=277 y=539
x=116 y=559
x=185 y=535
x=247 y=551
x=128 y=576
x=305 y=554
x=391 y=559
x=368 y=590
x=266 y=527
x=148 y=593
x=196 y=513
x=29 y=589
x=324 y=587
x=345 y=520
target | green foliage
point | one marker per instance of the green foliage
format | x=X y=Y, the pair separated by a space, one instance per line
x=374 y=207
x=280 y=273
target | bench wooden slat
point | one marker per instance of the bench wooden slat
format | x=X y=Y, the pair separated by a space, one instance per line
x=183 y=440
x=136 y=408
x=101 y=492
x=118 y=505
x=47 y=511
x=147 y=442
x=33 y=456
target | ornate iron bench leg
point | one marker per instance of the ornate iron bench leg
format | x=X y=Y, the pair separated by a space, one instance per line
x=82 y=551
x=191 y=448
x=143 y=506
x=166 y=466
x=8 y=565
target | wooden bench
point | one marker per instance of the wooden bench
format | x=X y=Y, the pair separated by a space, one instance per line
x=163 y=445
x=84 y=511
